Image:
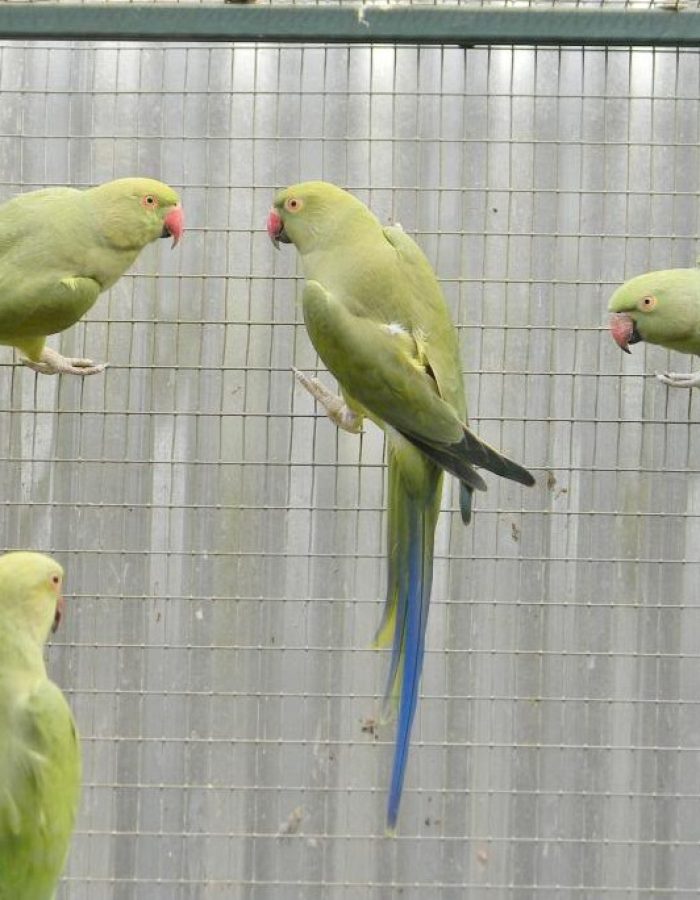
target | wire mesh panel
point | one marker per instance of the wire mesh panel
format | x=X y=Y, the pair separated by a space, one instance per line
x=224 y=544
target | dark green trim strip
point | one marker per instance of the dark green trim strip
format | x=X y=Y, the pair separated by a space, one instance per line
x=347 y=25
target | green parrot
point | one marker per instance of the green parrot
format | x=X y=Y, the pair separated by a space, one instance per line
x=660 y=308
x=39 y=749
x=60 y=248
x=376 y=315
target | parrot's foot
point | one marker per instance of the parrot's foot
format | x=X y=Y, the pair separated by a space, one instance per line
x=680 y=379
x=52 y=363
x=336 y=408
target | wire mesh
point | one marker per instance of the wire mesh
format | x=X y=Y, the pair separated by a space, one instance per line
x=224 y=545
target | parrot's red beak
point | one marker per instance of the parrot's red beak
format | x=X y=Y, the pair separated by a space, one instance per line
x=624 y=331
x=275 y=229
x=60 y=604
x=174 y=224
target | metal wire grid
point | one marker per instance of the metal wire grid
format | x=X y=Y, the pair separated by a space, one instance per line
x=224 y=545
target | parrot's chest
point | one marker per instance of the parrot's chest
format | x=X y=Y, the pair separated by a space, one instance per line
x=684 y=345
x=106 y=266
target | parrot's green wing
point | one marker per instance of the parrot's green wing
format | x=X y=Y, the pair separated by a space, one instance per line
x=41 y=288
x=440 y=345
x=375 y=363
x=380 y=367
x=39 y=790
x=45 y=304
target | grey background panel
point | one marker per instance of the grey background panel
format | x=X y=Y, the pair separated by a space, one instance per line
x=224 y=544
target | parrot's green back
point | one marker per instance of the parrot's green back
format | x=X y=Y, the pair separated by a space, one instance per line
x=395 y=285
x=40 y=768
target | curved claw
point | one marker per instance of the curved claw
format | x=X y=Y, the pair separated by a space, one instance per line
x=679 y=379
x=53 y=363
x=335 y=407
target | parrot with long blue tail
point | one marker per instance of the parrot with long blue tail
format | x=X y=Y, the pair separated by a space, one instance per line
x=376 y=316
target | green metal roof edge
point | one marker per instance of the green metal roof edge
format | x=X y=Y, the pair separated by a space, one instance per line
x=366 y=24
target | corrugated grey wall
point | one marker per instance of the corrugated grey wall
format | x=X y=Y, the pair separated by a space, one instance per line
x=224 y=545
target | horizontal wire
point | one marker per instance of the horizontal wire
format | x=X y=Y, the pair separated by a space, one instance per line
x=556 y=840
x=513 y=190
x=433 y=885
x=373 y=791
x=378 y=555
x=514 y=652
x=265 y=742
x=426 y=696
x=614 y=603
x=179 y=413
x=244 y=507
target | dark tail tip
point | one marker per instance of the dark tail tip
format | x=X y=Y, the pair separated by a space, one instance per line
x=529 y=480
x=465 y=502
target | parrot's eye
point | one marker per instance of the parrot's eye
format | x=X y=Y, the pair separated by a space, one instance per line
x=56 y=579
x=646 y=304
x=293 y=204
x=149 y=200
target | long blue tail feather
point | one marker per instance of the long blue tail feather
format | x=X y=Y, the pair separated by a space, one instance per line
x=412 y=520
x=412 y=637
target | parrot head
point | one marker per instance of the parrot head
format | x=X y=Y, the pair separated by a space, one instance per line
x=132 y=212
x=312 y=214
x=30 y=592
x=658 y=307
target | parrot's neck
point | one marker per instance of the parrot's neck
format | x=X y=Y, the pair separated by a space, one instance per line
x=354 y=227
x=330 y=269
x=21 y=653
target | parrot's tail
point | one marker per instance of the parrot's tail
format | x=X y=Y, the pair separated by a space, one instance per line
x=479 y=453
x=412 y=519
x=459 y=459
x=465 y=502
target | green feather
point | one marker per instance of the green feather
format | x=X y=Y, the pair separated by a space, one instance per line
x=39 y=750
